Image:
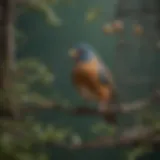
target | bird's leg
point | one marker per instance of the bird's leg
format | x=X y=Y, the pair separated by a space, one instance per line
x=102 y=106
x=84 y=109
x=104 y=109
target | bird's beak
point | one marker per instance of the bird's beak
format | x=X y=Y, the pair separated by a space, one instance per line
x=72 y=52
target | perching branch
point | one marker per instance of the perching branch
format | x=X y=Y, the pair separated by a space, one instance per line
x=84 y=110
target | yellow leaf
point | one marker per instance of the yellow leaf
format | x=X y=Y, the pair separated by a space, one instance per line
x=92 y=14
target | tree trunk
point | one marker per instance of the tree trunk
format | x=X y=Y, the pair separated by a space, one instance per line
x=7 y=8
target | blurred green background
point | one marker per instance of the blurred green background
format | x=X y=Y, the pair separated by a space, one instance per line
x=134 y=65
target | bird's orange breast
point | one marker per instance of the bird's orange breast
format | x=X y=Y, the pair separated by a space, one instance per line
x=85 y=76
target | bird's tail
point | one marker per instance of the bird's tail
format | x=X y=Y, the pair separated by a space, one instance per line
x=111 y=118
x=115 y=101
x=114 y=104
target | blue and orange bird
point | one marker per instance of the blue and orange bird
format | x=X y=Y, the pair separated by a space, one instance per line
x=93 y=80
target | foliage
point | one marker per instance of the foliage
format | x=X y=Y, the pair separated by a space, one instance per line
x=46 y=8
x=30 y=72
x=18 y=143
x=25 y=140
x=145 y=118
x=102 y=128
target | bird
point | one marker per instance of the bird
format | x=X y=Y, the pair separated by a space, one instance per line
x=93 y=79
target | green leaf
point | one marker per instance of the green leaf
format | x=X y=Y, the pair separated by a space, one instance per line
x=133 y=155
x=24 y=156
x=43 y=6
x=34 y=71
x=6 y=141
x=43 y=157
x=103 y=128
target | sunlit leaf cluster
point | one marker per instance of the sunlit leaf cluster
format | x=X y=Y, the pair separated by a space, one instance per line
x=102 y=128
x=46 y=7
x=25 y=140
x=144 y=118
x=30 y=72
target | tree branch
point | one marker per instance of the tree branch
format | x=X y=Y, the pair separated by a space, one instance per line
x=84 y=110
x=7 y=8
x=130 y=137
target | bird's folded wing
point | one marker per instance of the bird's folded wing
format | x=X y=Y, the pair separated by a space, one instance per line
x=104 y=74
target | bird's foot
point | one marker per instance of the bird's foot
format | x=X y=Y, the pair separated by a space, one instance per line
x=109 y=116
x=102 y=108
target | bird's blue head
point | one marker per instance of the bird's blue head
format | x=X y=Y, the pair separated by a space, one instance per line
x=82 y=52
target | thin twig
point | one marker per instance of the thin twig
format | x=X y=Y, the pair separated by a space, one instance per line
x=129 y=137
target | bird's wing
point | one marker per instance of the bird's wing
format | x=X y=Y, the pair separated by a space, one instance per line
x=105 y=78
x=104 y=74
